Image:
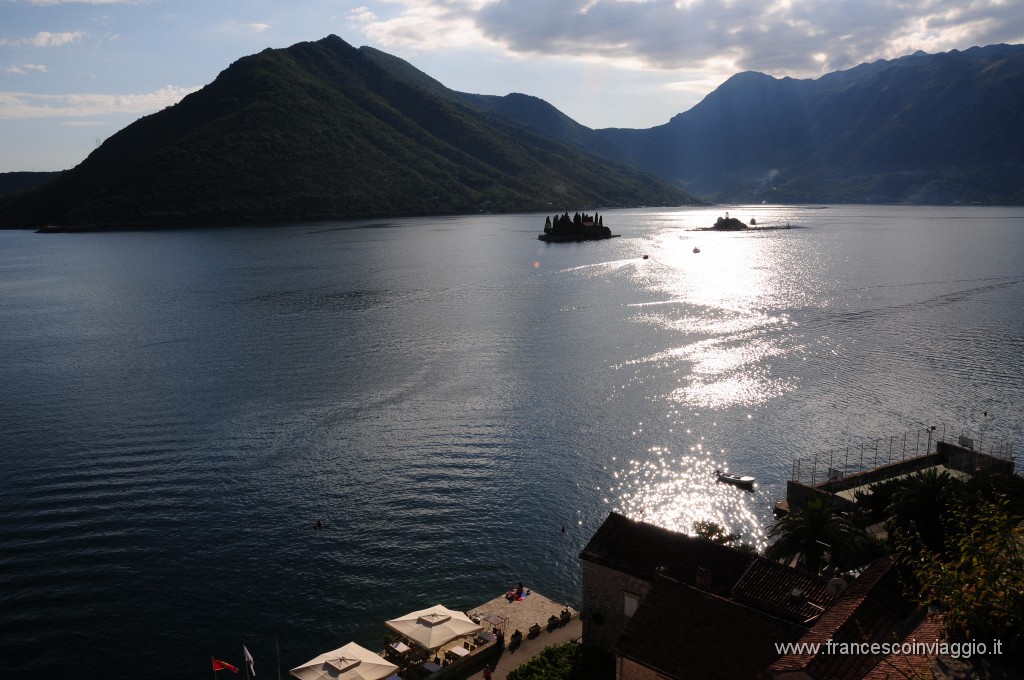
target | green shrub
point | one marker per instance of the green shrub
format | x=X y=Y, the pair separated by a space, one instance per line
x=569 y=661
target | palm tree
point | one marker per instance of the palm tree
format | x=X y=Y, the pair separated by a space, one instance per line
x=816 y=528
x=923 y=504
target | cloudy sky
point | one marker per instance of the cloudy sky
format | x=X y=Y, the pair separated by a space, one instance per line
x=73 y=72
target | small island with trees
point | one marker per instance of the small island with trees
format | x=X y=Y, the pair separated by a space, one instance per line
x=729 y=224
x=576 y=228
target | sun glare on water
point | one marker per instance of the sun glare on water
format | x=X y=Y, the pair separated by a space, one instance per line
x=677 y=491
x=723 y=302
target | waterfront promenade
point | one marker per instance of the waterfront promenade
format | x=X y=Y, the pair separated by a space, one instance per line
x=520 y=615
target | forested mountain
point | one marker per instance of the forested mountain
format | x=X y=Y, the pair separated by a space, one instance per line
x=320 y=130
x=324 y=130
x=521 y=109
x=941 y=128
x=14 y=182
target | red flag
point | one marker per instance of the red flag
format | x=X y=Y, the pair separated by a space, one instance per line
x=223 y=665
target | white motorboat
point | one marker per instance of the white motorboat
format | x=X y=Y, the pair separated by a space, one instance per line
x=745 y=481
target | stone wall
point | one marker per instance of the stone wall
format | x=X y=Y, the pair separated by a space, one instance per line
x=797 y=494
x=602 y=611
x=631 y=670
x=974 y=462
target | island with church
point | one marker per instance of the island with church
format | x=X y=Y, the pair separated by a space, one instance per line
x=729 y=224
x=732 y=224
x=579 y=227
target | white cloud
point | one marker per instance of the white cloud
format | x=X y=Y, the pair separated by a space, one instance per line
x=46 y=39
x=234 y=29
x=362 y=14
x=24 y=69
x=425 y=26
x=27 y=105
x=802 y=38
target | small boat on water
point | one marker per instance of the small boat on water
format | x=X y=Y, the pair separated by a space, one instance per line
x=744 y=481
x=696 y=249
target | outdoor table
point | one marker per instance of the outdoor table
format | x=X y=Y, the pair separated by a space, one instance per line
x=489 y=637
x=400 y=647
x=460 y=651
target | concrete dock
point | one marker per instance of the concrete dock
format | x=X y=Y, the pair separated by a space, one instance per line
x=521 y=615
x=534 y=608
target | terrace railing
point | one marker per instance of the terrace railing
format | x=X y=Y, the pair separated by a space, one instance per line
x=837 y=464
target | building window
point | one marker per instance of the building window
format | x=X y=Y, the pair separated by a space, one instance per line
x=629 y=604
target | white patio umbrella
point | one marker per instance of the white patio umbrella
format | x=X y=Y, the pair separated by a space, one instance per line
x=350 y=662
x=432 y=628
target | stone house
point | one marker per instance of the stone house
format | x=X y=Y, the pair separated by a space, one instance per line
x=681 y=631
x=671 y=606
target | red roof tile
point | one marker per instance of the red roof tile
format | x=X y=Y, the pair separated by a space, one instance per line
x=872 y=609
x=771 y=587
x=928 y=631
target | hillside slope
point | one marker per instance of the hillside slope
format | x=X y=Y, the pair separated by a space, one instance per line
x=319 y=130
x=939 y=128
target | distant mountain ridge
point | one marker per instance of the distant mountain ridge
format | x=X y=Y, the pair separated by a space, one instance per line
x=325 y=130
x=940 y=128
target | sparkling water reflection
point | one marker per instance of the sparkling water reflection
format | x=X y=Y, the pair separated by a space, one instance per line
x=760 y=319
x=678 y=491
x=178 y=407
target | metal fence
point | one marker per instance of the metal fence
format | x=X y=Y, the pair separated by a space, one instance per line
x=874 y=453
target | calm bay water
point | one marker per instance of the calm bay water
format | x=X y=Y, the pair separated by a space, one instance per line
x=179 y=407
